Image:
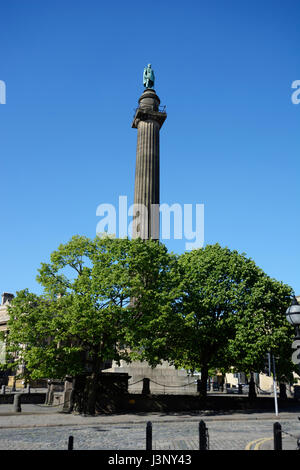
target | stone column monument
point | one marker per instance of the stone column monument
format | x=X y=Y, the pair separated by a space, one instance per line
x=148 y=120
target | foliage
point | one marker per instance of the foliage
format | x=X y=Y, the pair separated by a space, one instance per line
x=76 y=324
x=262 y=328
x=98 y=296
x=153 y=286
x=111 y=299
x=230 y=311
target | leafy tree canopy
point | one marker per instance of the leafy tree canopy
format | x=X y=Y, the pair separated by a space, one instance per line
x=230 y=311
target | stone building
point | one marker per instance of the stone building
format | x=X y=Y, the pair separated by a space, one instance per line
x=4 y=317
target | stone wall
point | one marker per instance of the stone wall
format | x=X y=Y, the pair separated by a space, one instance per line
x=134 y=403
x=26 y=398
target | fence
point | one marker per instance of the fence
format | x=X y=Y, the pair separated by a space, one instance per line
x=195 y=385
x=277 y=437
x=161 y=109
x=165 y=389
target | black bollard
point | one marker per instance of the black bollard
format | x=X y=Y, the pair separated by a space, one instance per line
x=149 y=436
x=146 y=387
x=277 y=436
x=17 y=403
x=203 y=444
x=70 y=443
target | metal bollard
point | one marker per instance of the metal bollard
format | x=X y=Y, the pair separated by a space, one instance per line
x=146 y=387
x=3 y=390
x=70 y=443
x=277 y=436
x=203 y=434
x=149 y=436
x=17 y=403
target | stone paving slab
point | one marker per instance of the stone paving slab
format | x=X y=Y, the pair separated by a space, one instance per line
x=43 y=415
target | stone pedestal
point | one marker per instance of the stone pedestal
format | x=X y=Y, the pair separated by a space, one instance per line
x=163 y=379
x=54 y=394
x=68 y=395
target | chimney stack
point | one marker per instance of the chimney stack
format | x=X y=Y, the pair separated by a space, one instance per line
x=6 y=298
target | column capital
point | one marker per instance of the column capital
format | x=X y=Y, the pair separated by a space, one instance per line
x=148 y=115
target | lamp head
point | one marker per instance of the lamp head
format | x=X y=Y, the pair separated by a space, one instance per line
x=293 y=313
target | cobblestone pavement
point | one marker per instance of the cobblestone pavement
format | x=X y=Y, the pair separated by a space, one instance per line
x=229 y=435
x=47 y=429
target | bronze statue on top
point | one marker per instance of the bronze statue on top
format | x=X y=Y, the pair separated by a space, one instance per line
x=148 y=77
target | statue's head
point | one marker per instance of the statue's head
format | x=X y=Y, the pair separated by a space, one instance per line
x=149 y=66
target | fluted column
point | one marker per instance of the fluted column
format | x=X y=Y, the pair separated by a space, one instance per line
x=148 y=121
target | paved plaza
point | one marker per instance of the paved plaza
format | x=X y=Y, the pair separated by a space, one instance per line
x=39 y=427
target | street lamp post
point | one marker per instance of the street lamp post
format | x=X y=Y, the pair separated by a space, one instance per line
x=293 y=317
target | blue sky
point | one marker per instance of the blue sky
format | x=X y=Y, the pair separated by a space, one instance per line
x=73 y=74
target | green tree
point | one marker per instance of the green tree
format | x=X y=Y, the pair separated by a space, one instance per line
x=98 y=295
x=153 y=284
x=260 y=327
x=217 y=291
x=75 y=326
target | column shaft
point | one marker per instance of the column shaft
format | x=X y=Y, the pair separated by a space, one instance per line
x=146 y=191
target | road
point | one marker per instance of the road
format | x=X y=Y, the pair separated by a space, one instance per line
x=44 y=429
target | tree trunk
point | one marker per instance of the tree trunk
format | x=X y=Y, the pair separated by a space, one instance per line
x=84 y=394
x=78 y=394
x=252 y=391
x=203 y=382
x=84 y=397
x=282 y=391
x=90 y=394
x=92 y=386
x=222 y=384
